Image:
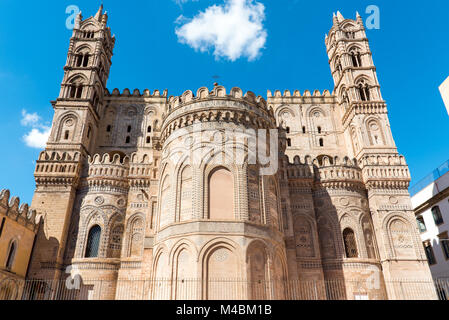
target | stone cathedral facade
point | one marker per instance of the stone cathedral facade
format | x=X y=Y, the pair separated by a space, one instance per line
x=122 y=200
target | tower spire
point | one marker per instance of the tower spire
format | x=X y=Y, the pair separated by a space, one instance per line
x=99 y=13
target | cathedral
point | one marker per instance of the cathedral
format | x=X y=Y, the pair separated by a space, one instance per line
x=222 y=194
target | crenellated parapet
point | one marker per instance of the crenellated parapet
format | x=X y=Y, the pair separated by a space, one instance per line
x=141 y=171
x=385 y=171
x=325 y=172
x=214 y=106
x=336 y=173
x=58 y=168
x=108 y=170
x=136 y=93
x=21 y=213
x=315 y=97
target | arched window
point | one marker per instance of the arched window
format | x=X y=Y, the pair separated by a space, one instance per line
x=350 y=243
x=364 y=91
x=93 y=242
x=319 y=130
x=321 y=142
x=221 y=195
x=86 y=60
x=129 y=129
x=149 y=129
x=128 y=139
x=148 y=139
x=350 y=35
x=79 y=92
x=11 y=255
x=79 y=60
x=356 y=59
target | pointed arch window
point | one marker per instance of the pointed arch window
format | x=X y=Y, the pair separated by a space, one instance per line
x=11 y=255
x=93 y=242
x=350 y=243
x=356 y=58
x=364 y=91
x=350 y=35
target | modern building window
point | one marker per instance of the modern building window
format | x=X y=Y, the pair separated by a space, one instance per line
x=93 y=242
x=444 y=242
x=2 y=225
x=421 y=225
x=350 y=243
x=437 y=217
x=11 y=255
x=429 y=252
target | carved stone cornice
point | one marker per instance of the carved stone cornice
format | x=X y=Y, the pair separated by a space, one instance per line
x=366 y=107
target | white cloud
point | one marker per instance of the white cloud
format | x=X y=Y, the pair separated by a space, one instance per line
x=233 y=30
x=29 y=119
x=181 y=2
x=38 y=136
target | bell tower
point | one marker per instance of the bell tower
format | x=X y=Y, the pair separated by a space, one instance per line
x=368 y=137
x=364 y=112
x=77 y=112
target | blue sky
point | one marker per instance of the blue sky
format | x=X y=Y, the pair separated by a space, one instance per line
x=410 y=51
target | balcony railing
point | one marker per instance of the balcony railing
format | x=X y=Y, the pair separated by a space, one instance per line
x=435 y=175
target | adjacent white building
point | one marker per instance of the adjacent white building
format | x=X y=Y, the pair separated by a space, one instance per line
x=430 y=199
x=444 y=89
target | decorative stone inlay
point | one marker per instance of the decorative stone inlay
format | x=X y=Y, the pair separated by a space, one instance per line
x=99 y=200
x=221 y=255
